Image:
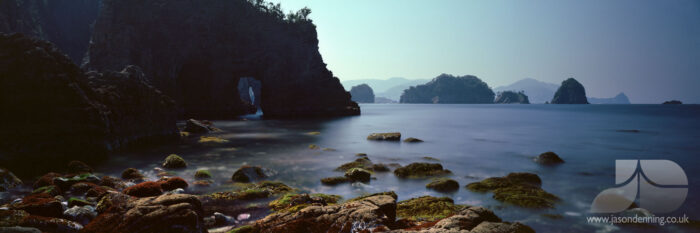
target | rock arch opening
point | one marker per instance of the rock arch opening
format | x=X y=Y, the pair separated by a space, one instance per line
x=250 y=92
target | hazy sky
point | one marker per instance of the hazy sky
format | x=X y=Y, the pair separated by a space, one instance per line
x=648 y=49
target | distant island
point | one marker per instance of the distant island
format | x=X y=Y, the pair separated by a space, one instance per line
x=673 y=102
x=511 y=97
x=362 y=93
x=449 y=89
x=570 y=92
x=537 y=91
x=390 y=88
x=618 y=99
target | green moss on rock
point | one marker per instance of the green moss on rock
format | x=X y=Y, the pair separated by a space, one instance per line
x=263 y=189
x=202 y=174
x=421 y=170
x=335 y=180
x=174 y=161
x=294 y=202
x=427 y=208
x=443 y=185
x=521 y=189
x=389 y=193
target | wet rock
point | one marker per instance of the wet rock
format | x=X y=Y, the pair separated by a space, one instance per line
x=51 y=190
x=521 y=189
x=132 y=174
x=40 y=204
x=335 y=180
x=361 y=155
x=19 y=230
x=295 y=202
x=81 y=214
x=145 y=189
x=46 y=180
x=421 y=170
x=73 y=201
x=358 y=174
x=78 y=167
x=174 y=161
x=173 y=183
x=116 y=183
x=385 y=136
x=65 y=183
x=380 y=167
x=48 y=224
x=548 y=158
x=247 y=174
x=10 y=218
x=443 y=185
x=203 y=183
x=427 y=208
x=98 y=191
x=362 y=162
x=8 y=180
x=81 y=188
x=197 y=127
x=166 y=213
x=202 y=174
x=493 y=227
x=412 y=140
x=211 y=140
x=263 y=189
x=330 y=218
x=673 y=102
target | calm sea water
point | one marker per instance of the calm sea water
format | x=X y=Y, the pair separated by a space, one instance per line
x=474 y=141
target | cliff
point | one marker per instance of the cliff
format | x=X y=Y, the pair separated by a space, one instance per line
x=511 y=97
x=618 y=99
x=52 y=111
x=570 y=92
x=66 y=23
x=448 y=89
x=362 y=94
x=197 y=52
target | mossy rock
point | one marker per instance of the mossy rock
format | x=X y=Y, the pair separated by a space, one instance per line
x=73 y=201
x=335 y=180
x=263 y=189
x=212 y=141
x=247 y=174
x=443 y=185
x=358 y=174
x=521 y=189
x=389 y=193
x=52 y=190
x=362 y=162
x=174 y=161
x=314 y=133
x=294 y=202
x=314 y=147
x=384 y=136
x=132 y=174
x=380 y=167
x=202 y=174
x=244 y=229
x=548 y=158
x=412 y=140
x=427 y=208
x=421 y=170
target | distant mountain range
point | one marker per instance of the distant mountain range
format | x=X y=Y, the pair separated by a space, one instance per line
x=391 y=88
x=537 y=91
x=618 y=99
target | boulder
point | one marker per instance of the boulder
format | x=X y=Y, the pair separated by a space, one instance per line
x=116 y=183
x=132 y=174
x=49 y=224
x=570 y=92
x=46 y=180
x=385 y=136
x=412 y=140
x=173 y=183
x=443 y=185
x=247 y=174
x=262 y=189
x=427 y=208
x=166 y=213
x=294 y=202
x=81 y=214
x=197 y=127
x=202 y=174
x=521 y=189
x=548 y=158
x=77 y=167
x=421 y=170
x=174 y=161
x=358 y=174
x=40 y=204
x=8 y=180
x=145 y=189
x=202 y=74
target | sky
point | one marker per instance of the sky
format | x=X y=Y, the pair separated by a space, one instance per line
x=650 y=50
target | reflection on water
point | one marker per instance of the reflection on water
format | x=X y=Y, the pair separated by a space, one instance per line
x=474 y=141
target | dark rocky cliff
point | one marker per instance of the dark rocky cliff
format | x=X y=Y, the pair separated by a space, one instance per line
x=51 y=110
x=362 y=94
x=448 y=89
x=66 y=23
x=570 y=92
x=511 y=97
x=197 y=51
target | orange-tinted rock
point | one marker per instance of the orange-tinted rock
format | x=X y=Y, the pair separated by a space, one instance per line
x=173 y=183
x=41 y=204
x=145 y=189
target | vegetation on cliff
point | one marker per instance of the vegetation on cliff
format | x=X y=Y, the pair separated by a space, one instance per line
x=449 y=89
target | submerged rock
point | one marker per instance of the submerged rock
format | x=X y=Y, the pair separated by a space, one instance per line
x=412 y=140
x=521 y=189
x=8 y=180
x=443 y=185
x=166 y=213
x=247 y=174
x=174 y=161
x=548 y=158
x=385 y=136
x=421 y=170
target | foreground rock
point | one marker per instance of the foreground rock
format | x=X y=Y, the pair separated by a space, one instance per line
x=202 y=74
x=548 y=158
x=385 y=136
x=165 y=213
x=247 y=174
x=521 y=189
x=82 y=115
x=449 y=89
x=262 y=189
x=421 y=170
x=362 y=94
x=174 y=161
x=570 y=92
x=198 y=127
x=443 y=185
